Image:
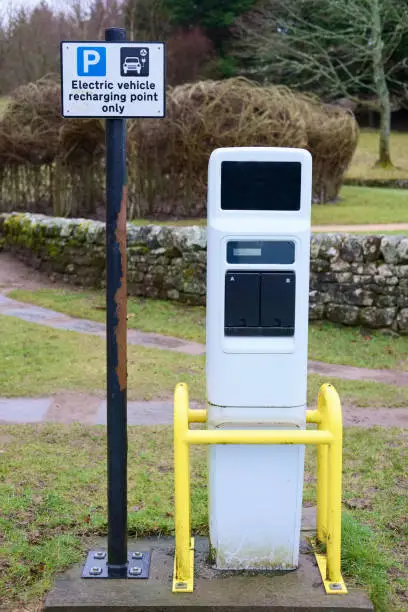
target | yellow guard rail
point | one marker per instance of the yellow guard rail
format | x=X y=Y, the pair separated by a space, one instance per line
x=329 y=440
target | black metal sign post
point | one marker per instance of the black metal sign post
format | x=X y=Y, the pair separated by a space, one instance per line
x=117 y=562
x=116 y=349
x=117 y=68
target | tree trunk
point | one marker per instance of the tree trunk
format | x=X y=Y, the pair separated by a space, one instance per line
x=384 y=159
x=381 y=86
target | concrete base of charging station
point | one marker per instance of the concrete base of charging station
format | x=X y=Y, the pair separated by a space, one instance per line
x=296 y=591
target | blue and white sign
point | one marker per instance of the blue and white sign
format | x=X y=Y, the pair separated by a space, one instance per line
x=91 y=62
x=112 y=79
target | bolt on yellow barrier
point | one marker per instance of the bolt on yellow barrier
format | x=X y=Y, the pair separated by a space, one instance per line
x=329 y=440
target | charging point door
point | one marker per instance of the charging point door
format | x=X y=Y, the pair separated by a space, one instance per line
x=278 y=290
x=242 y=293
x=260 y=303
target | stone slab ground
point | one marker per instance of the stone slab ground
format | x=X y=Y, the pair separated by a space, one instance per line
x=215 y=591
x=91 y=410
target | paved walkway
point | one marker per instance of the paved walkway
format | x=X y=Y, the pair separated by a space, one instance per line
x=56 y=320
x=375 y=228
x=70 y=407
x=82 y=408
x=91 y=410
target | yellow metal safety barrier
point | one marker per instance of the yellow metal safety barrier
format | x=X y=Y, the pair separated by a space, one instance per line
x=329 y=440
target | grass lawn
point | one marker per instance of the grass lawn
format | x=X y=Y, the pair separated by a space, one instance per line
x=43 y=523
x=160 y=316
x=366 y=155
x=359 y=205
x=327 y=342
x=356 y=206
x=40 y=361
x=361 y=393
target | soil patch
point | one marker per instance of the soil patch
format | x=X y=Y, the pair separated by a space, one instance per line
x=370 y=417
x=396 y=378
x=15 y=275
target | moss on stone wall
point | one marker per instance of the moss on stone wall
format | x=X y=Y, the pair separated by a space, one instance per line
x=354 y=280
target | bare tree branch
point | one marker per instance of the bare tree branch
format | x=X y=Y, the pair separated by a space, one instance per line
x=337 y=48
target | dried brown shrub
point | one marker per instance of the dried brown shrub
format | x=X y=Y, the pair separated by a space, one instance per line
x=44 y=157
x=81 y=141
x=29 y=129
x=332 y=136
x=29 y=135
x=61 y=161
x=79 y=184
x=172 y=155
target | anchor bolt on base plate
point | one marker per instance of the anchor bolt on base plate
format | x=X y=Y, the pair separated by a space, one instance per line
x=96 y=565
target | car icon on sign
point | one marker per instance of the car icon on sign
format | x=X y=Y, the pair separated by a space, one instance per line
x=132 y=64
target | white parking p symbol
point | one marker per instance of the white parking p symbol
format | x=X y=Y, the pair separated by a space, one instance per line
x=91 y=57
x=91 y=61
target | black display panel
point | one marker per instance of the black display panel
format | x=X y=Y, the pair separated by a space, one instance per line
x=260 y=185
x=261 y=251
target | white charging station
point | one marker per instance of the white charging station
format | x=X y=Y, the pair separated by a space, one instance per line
x=258 y=253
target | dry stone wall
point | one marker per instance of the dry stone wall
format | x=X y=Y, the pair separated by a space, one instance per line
x=354 y=280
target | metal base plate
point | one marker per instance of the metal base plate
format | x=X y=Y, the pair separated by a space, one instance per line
x=96 y=565
x=185 y=586
x=331 y=588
